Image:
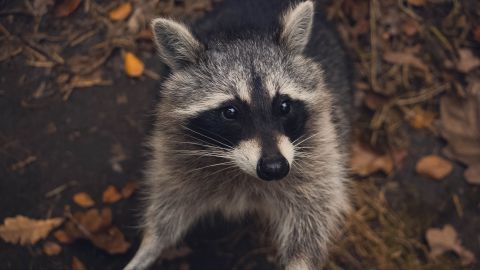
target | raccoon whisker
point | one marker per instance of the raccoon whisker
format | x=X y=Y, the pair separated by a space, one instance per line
x=200 y=144
x=207 y=154
x=205 y=143
x=297 y=139
x=306 y=139
x=208 y=137
x=215 y=134
x=212 y=165
x=221 y=170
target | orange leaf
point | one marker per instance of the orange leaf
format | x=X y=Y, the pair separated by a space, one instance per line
x=129 y=189
x=77 y=264
x=111 y=195
x=67 y=7
x=51 y=248
x=446 y=239
x=83 y=199
x=23 y=230
x=121 y=12
x=434 y=167
x=113 y=241
x=62 y=237
x=133 y=66
x=420 y=118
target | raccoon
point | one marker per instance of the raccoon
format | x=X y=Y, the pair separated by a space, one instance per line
x=252 y=119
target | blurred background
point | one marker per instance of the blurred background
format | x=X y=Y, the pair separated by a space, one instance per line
x=77 y=82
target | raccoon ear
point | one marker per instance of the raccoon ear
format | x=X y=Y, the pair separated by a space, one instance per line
x=296 y=25
x=175 y=43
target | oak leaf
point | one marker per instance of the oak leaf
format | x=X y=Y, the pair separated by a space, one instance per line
x=446 y=239
x=23 y=230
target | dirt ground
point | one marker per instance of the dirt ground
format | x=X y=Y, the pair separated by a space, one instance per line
x=72 y=121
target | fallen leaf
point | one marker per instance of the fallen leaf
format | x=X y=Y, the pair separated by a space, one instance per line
x=417 y=3
x=112 y=241
x=77 y=264
x=460 y=126
x=93 y=220
x=133 y=66
x=62 y=237
x=419 y=118
x=175 y=253
x=434 y=167
x=446 y=239
x=66 y=7
x=410 y=27
x=405 y=58
x=121 y=12
x=467 y=61
x=129 y=189
x=83 y=200
x=23 y=230
x=111 y=195
x=51 y=248
x=365 y=162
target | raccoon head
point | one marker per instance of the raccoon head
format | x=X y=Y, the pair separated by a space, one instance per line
x=251 y=101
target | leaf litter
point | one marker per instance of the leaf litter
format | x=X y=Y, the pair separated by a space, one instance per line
x=26 y=231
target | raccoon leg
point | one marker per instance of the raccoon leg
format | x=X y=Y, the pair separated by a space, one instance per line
x=302 y=237
x=166 y=224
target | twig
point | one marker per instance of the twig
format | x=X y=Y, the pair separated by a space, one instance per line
x=58 y=190
x=422 y=96
x=373 y=45
x=52 y=56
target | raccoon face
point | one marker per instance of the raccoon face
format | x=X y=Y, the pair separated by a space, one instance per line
x=247 y=101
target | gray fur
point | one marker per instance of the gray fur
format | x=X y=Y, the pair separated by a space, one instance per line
x=303 y=211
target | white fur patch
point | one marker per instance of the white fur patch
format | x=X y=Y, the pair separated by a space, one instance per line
x=246 y=156
x=210 y=102
x=297 y=265
x=286 y=148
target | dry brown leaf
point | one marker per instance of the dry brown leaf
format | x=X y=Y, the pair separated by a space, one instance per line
x=417 y=3
x=446 y=239
x=365 y=162
x=133 y=66
x=23 y=230
x=62 y=237
x=410 y=27
x=83 y=200
x=175 y=253
x=121 y=12
x=405 y=58
x=51 y=248
x=460 y=126
x=111 y=195
x=77 y=264
x=129 y=189
x=112 y=241
x=467 y=61
x=419 y=118
x=66 y=7
x=434 y=167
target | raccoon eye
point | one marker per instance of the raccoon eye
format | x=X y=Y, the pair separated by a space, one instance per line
x=285 y=107
x=229 y=113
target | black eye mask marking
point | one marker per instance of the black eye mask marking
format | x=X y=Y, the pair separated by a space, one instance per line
x=223 y=128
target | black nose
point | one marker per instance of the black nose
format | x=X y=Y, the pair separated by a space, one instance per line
x=272 y=168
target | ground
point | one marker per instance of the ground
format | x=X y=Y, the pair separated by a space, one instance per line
x=72 y=121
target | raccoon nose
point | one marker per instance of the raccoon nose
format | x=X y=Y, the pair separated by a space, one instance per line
x=272 y=168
